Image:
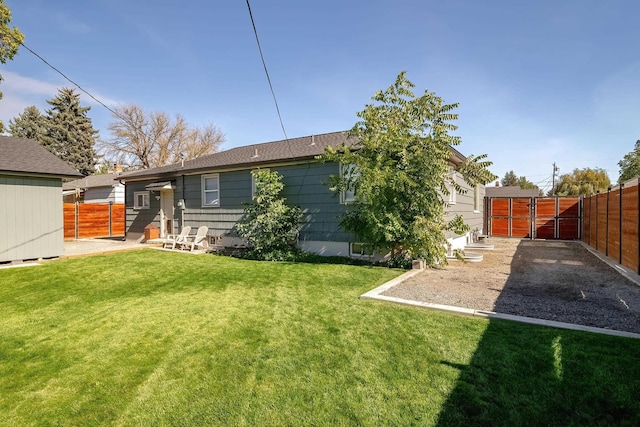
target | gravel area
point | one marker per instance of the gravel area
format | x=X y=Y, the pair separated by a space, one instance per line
x=551 y=280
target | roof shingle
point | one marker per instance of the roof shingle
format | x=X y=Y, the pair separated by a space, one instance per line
x=26 y=156
x=306 y=147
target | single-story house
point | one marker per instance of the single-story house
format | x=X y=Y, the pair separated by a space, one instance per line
x=511 y=191
x=102 y=188
x=31 y=221
x=211 y=190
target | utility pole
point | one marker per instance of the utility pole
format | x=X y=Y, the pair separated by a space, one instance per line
x=553 y=178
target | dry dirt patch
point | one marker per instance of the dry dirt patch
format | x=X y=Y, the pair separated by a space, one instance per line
x=551 y=280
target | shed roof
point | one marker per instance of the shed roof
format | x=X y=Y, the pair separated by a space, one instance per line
x=26 y=156
x=293 y=149
x=92 y=181
x=511 y=191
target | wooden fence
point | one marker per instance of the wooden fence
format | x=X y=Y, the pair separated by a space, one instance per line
x=611 y=225
x=87 y=220
x=533 y=217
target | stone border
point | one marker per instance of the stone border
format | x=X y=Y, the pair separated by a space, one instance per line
x=376 y=294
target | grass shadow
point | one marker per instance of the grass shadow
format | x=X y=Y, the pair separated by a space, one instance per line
x=523 y=374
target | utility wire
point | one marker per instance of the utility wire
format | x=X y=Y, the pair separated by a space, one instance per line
x=266 y=71
x=71 y=81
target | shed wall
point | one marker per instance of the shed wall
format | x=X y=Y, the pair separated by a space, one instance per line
x=31 y=221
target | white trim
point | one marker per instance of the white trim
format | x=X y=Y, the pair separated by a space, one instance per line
x=476 y=199
x=216 y=202
x=146 y=204
x=347 y=196
x=362 y=252
x=253 y=180
x=452 y=189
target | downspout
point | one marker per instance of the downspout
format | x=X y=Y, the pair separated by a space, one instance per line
x=183 y=207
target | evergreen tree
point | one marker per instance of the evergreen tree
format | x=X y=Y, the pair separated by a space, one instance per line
x=10 y=40
x=510 y=179
x=70 y=134
x=30 y=124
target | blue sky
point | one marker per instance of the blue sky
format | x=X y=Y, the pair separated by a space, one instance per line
x=538 y=82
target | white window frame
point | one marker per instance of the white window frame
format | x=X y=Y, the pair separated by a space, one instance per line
x=347 y=196
x=204 y=178
x=365 y=249
x=452 y=189
x=145 y=200
x=253 y=181
x=476 y=199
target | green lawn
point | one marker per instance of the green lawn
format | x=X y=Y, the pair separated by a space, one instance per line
x=158 y=338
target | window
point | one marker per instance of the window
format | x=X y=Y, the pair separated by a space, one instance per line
x=476 y=198
x=452 y=188
x=211 y=190
x=141 y=200
x=253 y=181
x=361 y=249
x=348 y=195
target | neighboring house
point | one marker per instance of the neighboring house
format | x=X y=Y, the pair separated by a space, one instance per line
x=211 y=190
x=511 y=191
x=103 y=188
x=31 y=222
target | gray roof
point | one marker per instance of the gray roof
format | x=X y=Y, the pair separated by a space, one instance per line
x=306 y=147
x=511 y=191
x=92 y=181
x=26 y=156
x=294 y=149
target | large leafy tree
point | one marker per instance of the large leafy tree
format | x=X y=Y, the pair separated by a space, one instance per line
x=630 y=164
x=399 y=168
x=70 y=134
x=141 y=139
x=10 y=39
x=269 y=225
x=30 y=124
x=582 y=182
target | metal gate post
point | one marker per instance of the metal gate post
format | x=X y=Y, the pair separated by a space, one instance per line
x=606 y=232
x=620 y=237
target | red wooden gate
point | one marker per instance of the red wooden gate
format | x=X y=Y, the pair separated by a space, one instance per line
x=534 y=217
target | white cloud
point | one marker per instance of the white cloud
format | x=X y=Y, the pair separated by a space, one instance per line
x=20 y=92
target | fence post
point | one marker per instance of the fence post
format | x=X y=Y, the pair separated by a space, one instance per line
x=597 y=216
x=76 y=220
x=606 y=227
x=620 y=219
x=110 y=219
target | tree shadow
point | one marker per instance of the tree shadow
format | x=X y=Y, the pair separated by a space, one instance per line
x=522 y=374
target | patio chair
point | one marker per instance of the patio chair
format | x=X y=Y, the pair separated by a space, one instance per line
x=174 y=240
x=200 y=240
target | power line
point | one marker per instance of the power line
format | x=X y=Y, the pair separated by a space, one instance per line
x=266 y=71
x=71 y=81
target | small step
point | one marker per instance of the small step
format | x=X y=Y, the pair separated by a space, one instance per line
x=467 y=256
x=479 y=246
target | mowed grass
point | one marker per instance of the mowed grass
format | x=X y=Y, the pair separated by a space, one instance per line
x=157 y=338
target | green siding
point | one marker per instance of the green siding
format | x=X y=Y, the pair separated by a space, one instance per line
x=306 y=185
x=31 y=220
